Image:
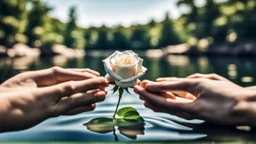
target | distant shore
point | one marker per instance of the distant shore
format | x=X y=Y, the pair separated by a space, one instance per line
x=222 y=49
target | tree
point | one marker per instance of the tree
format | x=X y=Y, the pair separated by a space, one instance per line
x=69 y=38
x=140 y=38
x=36 y=26
x=102 y=41
x=119 y=40
x=168 y=36
x=12 y=22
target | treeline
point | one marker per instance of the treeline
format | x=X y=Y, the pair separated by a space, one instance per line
x=27 y=21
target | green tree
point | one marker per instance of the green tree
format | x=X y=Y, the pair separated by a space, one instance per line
x=69 y=38
x=119 y=40
x=37 y=23
x=140 y=38
x=102 y=41
x=168 y=36
x=12 y=22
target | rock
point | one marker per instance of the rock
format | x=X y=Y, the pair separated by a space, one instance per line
x=59 y=49
x=3 y=51
x=176 y=49
x=20 y=50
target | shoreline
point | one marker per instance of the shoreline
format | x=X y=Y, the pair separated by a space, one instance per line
x=239 y=49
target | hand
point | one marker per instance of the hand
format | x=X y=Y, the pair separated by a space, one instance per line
x=219 y=102
x=31 y=97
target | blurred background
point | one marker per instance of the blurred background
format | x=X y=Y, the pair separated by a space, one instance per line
x=184 y=36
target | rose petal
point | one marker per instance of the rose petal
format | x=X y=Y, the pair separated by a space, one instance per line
x=109 y=69
x=126 y=84
x=136 y=76
x=130 y=52
x=139 y=66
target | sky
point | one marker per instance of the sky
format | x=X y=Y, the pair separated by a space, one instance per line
x=113 y=12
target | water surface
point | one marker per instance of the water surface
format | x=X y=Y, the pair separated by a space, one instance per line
x=157 y=126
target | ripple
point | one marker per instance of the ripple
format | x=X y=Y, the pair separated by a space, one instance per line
x=157 y=126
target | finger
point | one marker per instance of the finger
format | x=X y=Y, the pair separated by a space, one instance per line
x=167 y=79
x=80 y=110
x=72 y=87
x=110 y=79
x=161 y=102
x=170 y=94
x=78 y=100
x=184 y=94
x=138 y=82
x=145 y=82
x=151 y=106
x=85 y=70
x=181 y=84
x=208 y=76
x=57 y=75
x=179 y=113
x=163 y=94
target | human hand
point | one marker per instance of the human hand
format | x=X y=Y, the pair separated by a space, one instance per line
x=42 y=95
x=218 y=102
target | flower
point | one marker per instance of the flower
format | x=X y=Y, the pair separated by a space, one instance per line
x=124 y=67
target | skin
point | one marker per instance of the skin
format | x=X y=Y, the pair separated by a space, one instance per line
x=31 y=97
x=209 y=97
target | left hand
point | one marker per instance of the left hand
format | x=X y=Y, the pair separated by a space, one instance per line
x=31 y=97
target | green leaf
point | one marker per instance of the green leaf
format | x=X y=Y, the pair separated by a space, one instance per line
x=131 y=115
x=127 y=90
x=121 y=112
x=115 y=89
x=121 y=91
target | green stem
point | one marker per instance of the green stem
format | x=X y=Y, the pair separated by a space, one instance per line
x=119 y=99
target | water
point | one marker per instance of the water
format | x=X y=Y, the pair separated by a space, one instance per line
x=157 y=126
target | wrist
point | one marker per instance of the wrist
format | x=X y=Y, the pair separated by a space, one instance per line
x=245 y=109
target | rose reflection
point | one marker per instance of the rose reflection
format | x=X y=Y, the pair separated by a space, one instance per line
x=104 y=125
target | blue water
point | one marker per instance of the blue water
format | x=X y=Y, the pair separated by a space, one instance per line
x=157 y=126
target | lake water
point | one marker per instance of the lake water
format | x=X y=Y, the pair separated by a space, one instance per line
x=157 y=126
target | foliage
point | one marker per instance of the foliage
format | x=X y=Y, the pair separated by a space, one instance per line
x=27 y=21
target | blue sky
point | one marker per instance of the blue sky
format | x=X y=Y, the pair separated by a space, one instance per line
x=113 y=12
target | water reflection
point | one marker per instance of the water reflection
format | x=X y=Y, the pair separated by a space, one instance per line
x=129 y=129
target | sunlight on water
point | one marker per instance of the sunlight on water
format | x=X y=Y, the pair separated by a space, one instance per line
x=157 y=126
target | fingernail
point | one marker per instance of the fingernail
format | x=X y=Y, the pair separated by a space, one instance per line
x=136 y=88
x=158 y=79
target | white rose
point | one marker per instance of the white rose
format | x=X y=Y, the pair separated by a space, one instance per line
x=124 y=67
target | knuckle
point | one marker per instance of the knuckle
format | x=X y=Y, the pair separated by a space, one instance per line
x=196 y=74
x=213 y=75
x=69 y=87
x=56 y=69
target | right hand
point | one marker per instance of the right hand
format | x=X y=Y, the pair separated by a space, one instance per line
x=218 y=102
